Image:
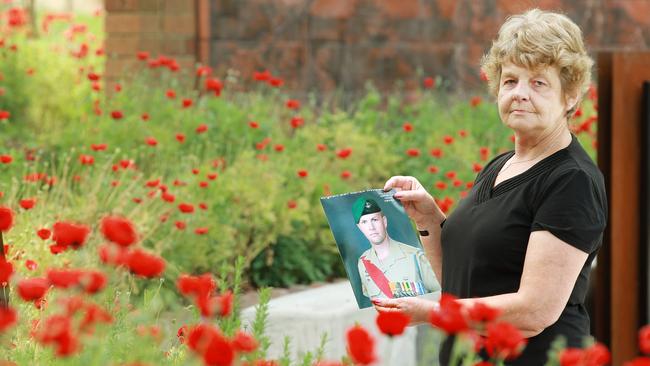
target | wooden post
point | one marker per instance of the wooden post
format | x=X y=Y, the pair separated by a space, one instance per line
x=618 y=315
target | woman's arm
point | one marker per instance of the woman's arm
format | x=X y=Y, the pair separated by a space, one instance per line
x=550 y=271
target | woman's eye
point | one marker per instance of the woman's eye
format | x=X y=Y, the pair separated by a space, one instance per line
x=539 y=83
x=508 y=82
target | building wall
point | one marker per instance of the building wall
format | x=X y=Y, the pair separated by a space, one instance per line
x=325 y=44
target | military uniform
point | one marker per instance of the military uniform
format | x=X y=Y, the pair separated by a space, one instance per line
x=406 y=269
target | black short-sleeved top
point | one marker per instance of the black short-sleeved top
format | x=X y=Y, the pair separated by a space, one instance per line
x=484 y=240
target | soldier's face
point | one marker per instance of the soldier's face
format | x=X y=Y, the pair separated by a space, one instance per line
x=373 y=226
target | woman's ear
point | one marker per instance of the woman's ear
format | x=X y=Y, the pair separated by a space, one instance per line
x=571 y=101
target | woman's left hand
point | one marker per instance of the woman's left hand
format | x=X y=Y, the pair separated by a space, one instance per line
x=419 y=310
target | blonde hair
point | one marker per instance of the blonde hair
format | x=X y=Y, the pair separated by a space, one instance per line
x=536 y=39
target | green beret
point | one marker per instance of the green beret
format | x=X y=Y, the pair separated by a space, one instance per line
x=363 y=206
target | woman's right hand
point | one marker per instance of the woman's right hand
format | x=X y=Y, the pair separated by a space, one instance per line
x=418 y=203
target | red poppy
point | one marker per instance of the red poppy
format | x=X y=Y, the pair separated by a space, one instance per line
x=392 y=323
x=597 y=355
x=63 y=278
x=484 y=151
x=186 y=208
x=276 y=82
x=293 y=104
x=151 y=141
x=195 y=171
x=482 y=313
x=201 y=230
x=644 y=339
x=8 y=318
x=6 y=159
x=429 y=82
x=213 y=85
x=202 y=128
x=28 y=203
x=142 y=55
x=571 y=357
x=448 y=317
x=291 y=204
x=253 y=124
x=475 y=101
x=67 y=234
x=30 y=264
x=302 y=173
x=441 y=185
x=170 y=93
x=203 y=71
x=450 y=174
x=361 y=345
x=4 y=115
x=86 y=159
x=187 y=103
x=436 y=152
x=32 y=289
x=433 y=169
x=321 y=147
x=203 y=206
x=93 y=281
x=144 y=264
x=448 y=139
x=93 y=76
x=224 y=303
x=6 y=218
x=462 y=133
x=344 y=153
x=262 y=76
x=180 y=137
x=144 y=116
x=180 y=225
x=117 y=114
x=244 y=342
x=297 y=122
x=6 y=270
x=346 y=174
x=119 y=230
x=413 y=152
x=639 y=361
x=504 y=341
x=219 y=351
x=407 y=127
x=476 y=167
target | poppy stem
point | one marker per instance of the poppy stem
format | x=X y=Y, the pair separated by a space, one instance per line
x=4 y=294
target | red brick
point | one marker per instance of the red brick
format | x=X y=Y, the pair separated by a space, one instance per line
x=131 y=23
x=446 y=8
x=403 y=9
x=338 y=9
x=122 y=45
x=175 y=47
x=637 y=10
x=179 y=7
x=179 y=24
x=132 y=5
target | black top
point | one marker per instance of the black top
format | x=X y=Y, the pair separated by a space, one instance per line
x=484 y=240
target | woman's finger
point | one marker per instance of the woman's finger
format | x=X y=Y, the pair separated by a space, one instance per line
x=398 y=181
x=406 y=196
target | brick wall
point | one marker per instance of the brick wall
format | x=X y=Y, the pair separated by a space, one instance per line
x=160 y=27
x=324 y=44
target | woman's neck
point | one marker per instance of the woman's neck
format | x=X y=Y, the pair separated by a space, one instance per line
x=535 y=145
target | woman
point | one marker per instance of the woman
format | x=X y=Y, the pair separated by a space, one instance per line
x=524 y=238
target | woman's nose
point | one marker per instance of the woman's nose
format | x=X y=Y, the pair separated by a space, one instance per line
x=521 y=92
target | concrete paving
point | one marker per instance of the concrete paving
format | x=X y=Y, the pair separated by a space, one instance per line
x=305 y=316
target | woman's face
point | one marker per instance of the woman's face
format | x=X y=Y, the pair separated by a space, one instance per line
x=531 y=101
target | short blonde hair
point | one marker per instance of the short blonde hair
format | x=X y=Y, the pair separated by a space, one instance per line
x=536 y=39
